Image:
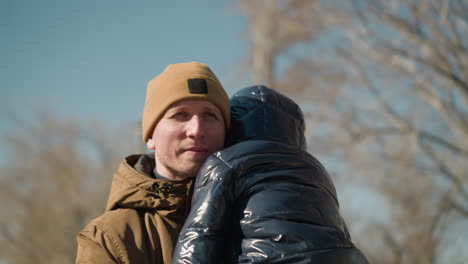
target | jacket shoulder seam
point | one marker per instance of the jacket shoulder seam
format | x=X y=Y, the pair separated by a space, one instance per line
x=109 y=234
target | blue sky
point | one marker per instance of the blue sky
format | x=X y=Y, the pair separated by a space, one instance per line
x=92 y=59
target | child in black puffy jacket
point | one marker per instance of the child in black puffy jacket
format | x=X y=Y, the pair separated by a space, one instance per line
x=265 y=199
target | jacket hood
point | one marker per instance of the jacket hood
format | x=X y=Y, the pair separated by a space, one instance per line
x=132 y=189
x=260 y=113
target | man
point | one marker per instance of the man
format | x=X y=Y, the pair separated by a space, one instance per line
x=185 y=118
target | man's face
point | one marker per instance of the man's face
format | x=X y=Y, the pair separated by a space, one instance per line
x=188 y=132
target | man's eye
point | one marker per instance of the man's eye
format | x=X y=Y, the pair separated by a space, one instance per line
x=212 y=115
x=180 y=115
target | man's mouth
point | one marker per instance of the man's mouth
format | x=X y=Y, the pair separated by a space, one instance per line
x=196 y=149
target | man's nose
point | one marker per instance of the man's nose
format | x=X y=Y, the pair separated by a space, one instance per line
x=195 y=127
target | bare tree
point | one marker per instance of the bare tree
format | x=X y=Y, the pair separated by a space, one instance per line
x=384 y=86
x=412 y=57
x=56 y=179
x=275 y=25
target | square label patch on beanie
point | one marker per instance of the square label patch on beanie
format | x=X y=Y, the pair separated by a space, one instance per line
x=197 y=86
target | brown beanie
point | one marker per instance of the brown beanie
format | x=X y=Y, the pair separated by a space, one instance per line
x=191 y=80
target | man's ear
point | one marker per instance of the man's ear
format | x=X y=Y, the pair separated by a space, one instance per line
x=150 y=144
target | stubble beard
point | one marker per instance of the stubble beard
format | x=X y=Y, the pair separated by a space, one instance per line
x=188 y=173
x=181 y=173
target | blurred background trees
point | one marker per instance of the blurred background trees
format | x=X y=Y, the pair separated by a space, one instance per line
x=56 y=179
x=384 y=87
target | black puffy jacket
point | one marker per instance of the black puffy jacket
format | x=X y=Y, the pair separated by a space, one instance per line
x=265 y=199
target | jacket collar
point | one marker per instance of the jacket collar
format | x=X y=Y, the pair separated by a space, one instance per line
x=132 y=188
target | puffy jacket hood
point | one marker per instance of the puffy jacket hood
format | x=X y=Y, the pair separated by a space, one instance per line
x=260 y=113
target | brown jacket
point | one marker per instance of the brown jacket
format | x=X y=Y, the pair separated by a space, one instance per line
x=142 y=220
